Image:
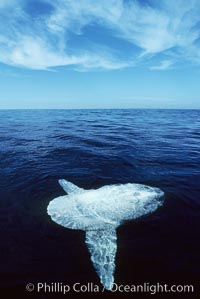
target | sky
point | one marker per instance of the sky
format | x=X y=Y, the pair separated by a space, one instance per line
x=99 y=54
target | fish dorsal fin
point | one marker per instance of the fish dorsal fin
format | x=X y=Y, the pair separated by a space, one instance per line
x=70 y=188
x=102 y=245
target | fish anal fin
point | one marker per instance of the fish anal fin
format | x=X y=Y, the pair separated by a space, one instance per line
x=102 y=245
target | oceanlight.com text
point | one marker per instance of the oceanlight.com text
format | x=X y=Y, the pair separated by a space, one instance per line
x=62 y=288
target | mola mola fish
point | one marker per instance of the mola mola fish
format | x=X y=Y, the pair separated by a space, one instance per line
x=99 y=212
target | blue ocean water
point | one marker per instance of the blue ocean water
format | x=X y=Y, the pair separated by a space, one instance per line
x=92 y=148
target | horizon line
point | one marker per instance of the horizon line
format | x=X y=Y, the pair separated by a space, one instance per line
x=136 y=108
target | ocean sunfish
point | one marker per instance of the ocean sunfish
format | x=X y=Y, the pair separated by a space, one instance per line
x=99 y=212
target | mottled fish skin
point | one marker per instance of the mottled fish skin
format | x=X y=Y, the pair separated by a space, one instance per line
x=99 y=212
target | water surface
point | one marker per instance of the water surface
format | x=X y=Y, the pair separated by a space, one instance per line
x=93 y=148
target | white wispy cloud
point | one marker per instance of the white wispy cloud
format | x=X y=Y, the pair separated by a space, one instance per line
x=58 y=36
x=164 y=65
